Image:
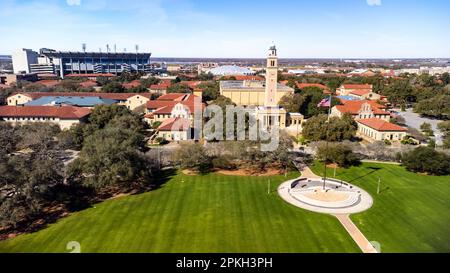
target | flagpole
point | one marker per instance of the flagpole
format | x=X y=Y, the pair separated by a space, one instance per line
x=326 y=145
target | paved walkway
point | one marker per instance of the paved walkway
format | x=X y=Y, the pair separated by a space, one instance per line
x=344 y=218
x=356 y=234
x=307 y=173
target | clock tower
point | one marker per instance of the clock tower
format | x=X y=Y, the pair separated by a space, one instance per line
x=271 y=78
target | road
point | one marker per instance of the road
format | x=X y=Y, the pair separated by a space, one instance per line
x=414 y=120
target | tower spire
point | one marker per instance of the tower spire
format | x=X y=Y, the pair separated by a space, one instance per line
x=271 y=98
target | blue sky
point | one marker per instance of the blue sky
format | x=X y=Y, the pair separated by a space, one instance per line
x=232 y=28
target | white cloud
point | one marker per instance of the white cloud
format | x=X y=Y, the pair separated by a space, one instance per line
x=374 y=2
x=73 y=2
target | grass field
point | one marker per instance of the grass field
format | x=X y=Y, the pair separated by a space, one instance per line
x=412 y=212
x=212 y=213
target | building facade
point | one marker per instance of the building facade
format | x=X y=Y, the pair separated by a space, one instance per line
x=361 y=109
x=374 y=129
x=22 y=59
x=64 y=116
x=67 y=62
x=132 y=101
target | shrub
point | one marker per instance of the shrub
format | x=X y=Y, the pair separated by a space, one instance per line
x=223 y=162
x=337 y=153
x=427 y=160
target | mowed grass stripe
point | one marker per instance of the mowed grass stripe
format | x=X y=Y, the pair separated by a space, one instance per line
x=211 y=213
x=412 y=212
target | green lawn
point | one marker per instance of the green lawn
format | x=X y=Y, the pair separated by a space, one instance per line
x=212 y=213
x=412 y=212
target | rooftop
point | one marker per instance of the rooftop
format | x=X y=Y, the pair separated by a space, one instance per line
x=112 y=96
x=228 y=70
x=357 y=86
x=62 y=112
x=175 y=124
x=381 y=125
x=251 y=85
x=74 y=101
x=354 y=107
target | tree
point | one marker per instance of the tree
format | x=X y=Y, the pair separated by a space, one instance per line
x=113 y=87
x=102 y=80
x=205 y=76
x=35 y=87
x=444 y=127
x=400 y=92
x=193 y=156
x=292 y=102
x=445 y=77
x=337 y=129
x=25 y=181
x=210 y=91
x=8 y=137
x=437 y=106
x=427 y=129
x=427 y=160
x=101 y=115
x=110 y=159
x=149 y=81
x=337 y=153
x=68 y=85
x=178 y=88
x=312 y=96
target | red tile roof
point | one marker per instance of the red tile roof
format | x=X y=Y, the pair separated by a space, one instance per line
x=245 y=77
x=360 y=102
x=361 y=92
x=165 y=107
x=112 y=96
x=91 y=75
x=191 y=84
x=132 y=84
x=48 y=83
x=353 y=107
x=161 y=86
x=304 y=85
x=381 y=125
x=62 y=112
x=357 y=86
x=173 y=96
x=175 y=124
x=88 y=83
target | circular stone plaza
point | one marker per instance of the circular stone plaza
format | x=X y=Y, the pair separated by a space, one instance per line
x=332 y=197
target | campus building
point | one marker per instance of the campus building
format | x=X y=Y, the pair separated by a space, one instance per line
x=132 y=101
x=67 y=62
x=63 y=116
x=258 y=93
x=358 y=91
x=61 y=63
x=361 y=109
x=22 y=59
x=173 y=105
x=250 y=93
x=374 y=129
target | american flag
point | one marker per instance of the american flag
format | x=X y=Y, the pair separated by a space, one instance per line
x=325 y=102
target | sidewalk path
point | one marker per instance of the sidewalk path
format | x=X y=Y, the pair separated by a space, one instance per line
x=344 y=219
x=356 y=234
x=307 y=173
